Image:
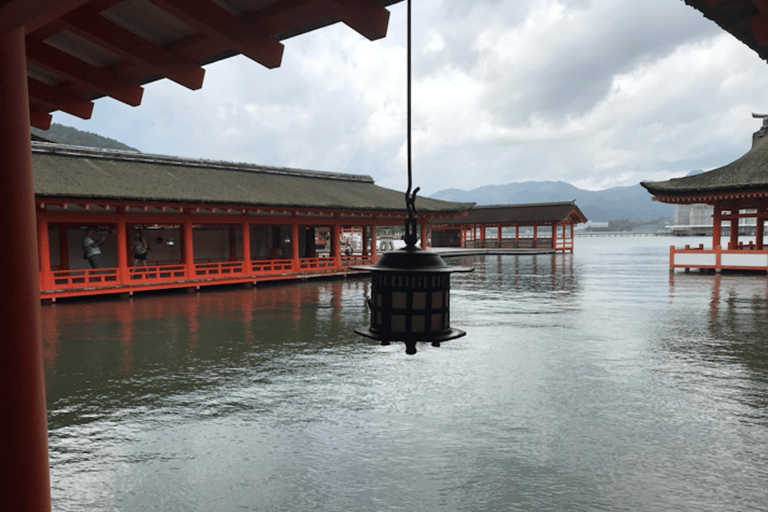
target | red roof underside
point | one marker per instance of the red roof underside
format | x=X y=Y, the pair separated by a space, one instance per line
x=80 y=50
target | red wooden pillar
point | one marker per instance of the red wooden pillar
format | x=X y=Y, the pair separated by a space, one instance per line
x=188 y=249
x=365 y=240
x=295 y=257
x=498 y=236
x=759 y=228
x=535 y=235
x=717 y=222
x=63 y=247
x=554 y=236
x=336 y=244
x=424 y=236
x=734 y=241
x=123 y=274
x=246 y=227
x=24 y=478
x=44 y=252
x=517 y=236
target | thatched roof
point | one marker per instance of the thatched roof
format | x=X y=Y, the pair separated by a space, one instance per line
x=748 y=173
x=531 y=213
x=94 y=174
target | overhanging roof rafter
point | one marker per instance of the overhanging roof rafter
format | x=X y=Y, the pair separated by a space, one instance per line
x=82 y=50
x=236 y=33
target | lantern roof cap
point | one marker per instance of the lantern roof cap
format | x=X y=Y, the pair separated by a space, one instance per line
x=412 y=259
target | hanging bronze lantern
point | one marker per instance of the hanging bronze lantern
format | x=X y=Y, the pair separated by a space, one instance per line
x=410 y=299
x=410 y=287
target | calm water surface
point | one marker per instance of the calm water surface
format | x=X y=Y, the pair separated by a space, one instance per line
x=592 y=381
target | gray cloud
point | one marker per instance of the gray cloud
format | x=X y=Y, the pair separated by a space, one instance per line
x=594 y=93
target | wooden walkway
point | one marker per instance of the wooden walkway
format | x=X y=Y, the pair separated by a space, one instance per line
x=456 y=251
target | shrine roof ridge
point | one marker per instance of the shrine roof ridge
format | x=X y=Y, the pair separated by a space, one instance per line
x=150 y=158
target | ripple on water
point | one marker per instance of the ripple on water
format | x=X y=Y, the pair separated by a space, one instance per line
x=592 y=381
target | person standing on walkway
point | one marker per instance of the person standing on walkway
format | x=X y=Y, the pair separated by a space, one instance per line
x=91 y=250
x=140 y=249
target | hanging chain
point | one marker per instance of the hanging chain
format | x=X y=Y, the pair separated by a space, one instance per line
x=410 y=199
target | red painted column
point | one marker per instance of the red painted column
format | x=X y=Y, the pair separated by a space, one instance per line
x=535 y=235
x=554 y=236
x=717 y=221
x=44 y=253
x=517 y=236
x=188 y=249
x=246 y=248
x=24 y=478
x=424 y=236
x=498 y=236
x=123 y=273
x=295 y=256
x=336 y=245
x=734 y=242
x=365 y=240
x=759 y=229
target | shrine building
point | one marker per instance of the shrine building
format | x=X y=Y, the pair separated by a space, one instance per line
x=205 y=222
x=513 y=226
x=736 y=191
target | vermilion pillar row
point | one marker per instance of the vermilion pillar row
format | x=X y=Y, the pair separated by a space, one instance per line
x=24 y=480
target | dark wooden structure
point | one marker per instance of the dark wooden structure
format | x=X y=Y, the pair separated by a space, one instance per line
x=511 y=226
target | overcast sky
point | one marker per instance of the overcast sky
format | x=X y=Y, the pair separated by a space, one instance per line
x=597 y=93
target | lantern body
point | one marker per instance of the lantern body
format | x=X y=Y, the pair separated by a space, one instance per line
x=410 y=297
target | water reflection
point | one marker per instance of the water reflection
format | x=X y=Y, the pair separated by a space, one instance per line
x=734 y=346
x=591 y=381
x=168 y=343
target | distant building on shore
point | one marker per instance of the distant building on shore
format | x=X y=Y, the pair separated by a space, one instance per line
x=696 y=220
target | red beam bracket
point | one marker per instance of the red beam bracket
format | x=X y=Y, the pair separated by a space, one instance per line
x=366 y=17
x=59 y=100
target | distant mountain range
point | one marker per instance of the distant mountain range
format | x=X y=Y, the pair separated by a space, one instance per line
x=67 y=135
x=617 y=203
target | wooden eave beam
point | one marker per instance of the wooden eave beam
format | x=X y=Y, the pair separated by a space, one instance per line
x=366 y=17
x=759 y=24
x=33 y=14
x=39 y=117
x=235 y=33
x=289 y=14
x=92 y=26
x=78 y=71
x=58 y=99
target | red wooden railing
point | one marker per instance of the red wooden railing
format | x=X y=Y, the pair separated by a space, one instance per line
x=62 y=283
x=84 y=278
